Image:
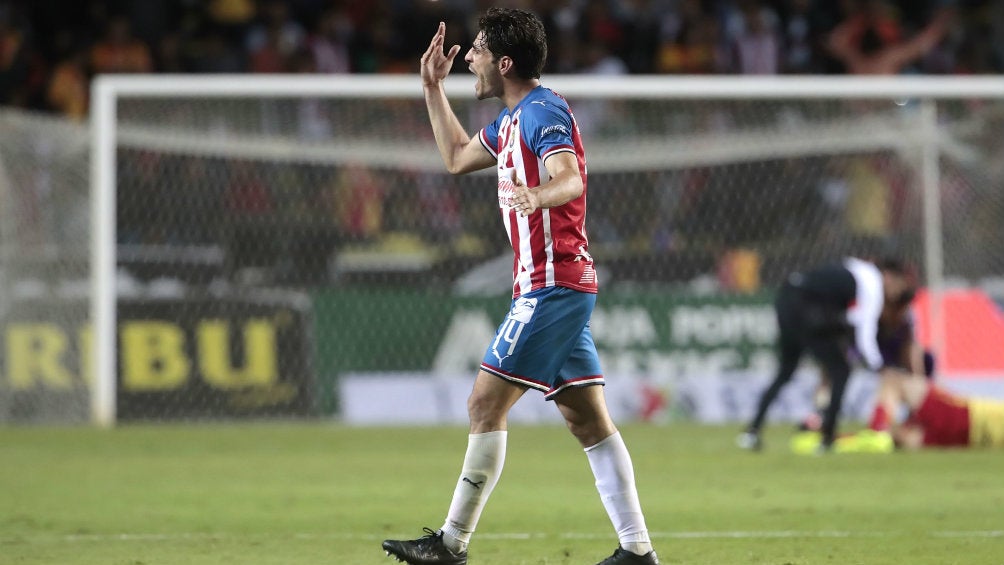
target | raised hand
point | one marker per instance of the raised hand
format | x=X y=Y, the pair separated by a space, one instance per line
x=435 y=63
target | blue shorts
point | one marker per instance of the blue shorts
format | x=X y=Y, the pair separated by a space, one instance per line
x=545 y=343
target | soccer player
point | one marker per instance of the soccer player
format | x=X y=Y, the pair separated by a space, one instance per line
x=823 y=311
x=544 y=342
x=939 y=418
x=900 y=351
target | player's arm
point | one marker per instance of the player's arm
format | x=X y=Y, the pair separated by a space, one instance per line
x=565 y=185
x=461 y=153
x=913 y=355
x=865 y=321
x=928 y=38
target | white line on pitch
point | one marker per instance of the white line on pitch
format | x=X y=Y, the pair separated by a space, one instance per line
x=735 y=534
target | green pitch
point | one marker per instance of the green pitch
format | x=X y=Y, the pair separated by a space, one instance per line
x=325 y=494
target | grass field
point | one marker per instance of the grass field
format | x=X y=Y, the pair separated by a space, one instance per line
x=325 y=494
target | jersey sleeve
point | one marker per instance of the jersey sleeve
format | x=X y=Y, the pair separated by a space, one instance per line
x=489 y=136
x=548 y=126
x=864 y=316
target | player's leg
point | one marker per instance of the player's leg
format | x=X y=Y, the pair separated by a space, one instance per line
x=488 y=407
x=574 y=388
x=789 y=351
x=830 y=352
x=519 y=354
x=913 y=390
x=820 y=400
x=585 y=412
x=892 y=394
x=888 y=399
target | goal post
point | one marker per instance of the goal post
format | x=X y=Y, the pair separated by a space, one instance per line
x=725 y=122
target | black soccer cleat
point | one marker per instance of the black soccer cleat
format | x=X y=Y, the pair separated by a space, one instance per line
x=426 y=550
x=625 y=557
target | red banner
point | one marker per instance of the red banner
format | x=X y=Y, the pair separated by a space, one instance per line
x=974 y=333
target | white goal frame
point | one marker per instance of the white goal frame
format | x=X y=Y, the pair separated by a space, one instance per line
x=106 y=91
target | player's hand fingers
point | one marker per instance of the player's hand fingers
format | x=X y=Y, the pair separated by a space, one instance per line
x=453 y=53
x=437 y=40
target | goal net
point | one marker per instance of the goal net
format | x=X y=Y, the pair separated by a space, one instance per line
x=292 y=246
x=44 y=269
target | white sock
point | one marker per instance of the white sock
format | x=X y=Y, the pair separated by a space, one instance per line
x=611 y=464
x=482 y=467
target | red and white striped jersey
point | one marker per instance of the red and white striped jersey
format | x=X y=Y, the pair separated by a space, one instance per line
x=550 y=246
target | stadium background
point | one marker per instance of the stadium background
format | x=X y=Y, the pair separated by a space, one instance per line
x=368 y=281
x=246 y=244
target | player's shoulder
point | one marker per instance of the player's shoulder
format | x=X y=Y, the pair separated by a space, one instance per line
x=543 y=108
x=862 y=270
x=545 y=100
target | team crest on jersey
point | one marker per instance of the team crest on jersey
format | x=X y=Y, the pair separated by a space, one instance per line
x=506 y=187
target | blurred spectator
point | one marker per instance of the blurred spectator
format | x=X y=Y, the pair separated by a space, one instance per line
x=68 y=88
x=119 y=52
x=273 y=42
x=232 y=17
x=800 y=38
x=689 y=41
x=276 y=29
x=598 y=24
x=213 y=53
x=329 y=44
x=598 y=60
x=754 y=39
x=13 y=57
x=440 y=219
x=247 y=193
x=170 y=53
x=640 y=21
x=871 y=41
x=313 y=121
x=272 y=55
x=739 y=270
x=356 y=200
x=598 y=114
x=868 y=198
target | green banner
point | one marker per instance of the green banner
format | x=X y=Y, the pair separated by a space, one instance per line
x=637 y=333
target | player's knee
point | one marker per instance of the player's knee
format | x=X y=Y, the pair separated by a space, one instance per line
x=590 y=432
x=485 y=413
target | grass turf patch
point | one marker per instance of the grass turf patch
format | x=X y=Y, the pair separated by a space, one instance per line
x=321 y=493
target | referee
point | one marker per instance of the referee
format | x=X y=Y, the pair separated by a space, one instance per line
x=825 y=311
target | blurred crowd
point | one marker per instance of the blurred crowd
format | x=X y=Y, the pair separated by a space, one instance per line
x=49 y=49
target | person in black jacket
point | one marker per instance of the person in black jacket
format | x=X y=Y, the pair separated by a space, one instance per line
x=826 y=311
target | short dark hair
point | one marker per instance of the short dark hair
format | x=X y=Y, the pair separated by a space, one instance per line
x=895 y=265
x=906 y=297
x=517 y=34
x=892 y=264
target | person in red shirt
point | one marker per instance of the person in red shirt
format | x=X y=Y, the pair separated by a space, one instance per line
x=939 y=418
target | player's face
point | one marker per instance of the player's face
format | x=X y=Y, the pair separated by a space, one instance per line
x=894 y=285
x=482 y=63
